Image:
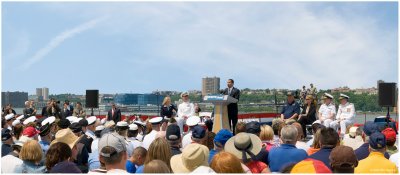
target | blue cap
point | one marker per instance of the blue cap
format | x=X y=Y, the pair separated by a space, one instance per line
x=370 y=127
x=377 y=140
x=198 y=132
x=223 y=136
x=253 y=127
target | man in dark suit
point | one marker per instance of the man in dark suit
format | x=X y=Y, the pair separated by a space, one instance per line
x=233 y=107
x=114 y=114
x=65 y=112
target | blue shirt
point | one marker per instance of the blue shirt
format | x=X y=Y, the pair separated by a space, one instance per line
x=130 y=167
x=139 y=169
x=323 y=156
x=286 y=154
x=362 y=152
x=212 y=154
x=45 y=146
x=289 y=109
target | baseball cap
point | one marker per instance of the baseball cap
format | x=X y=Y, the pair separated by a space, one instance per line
x=173 y=132
x=198 y=132
x=30 y=131
x=377 y=140
x=5 y=134
x=113 y=140
x=343 y=156
x=253 y=127
x=222 y=136
x=370 y=127
x=390 y=134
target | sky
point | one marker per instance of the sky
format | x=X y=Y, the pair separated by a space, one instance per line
x=140 y=47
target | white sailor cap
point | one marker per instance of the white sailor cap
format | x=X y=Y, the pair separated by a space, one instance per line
x=18 y=143
x=16 y=122
x=76 y=120
x=139 y=123
x=326 y=95
x=91 y=120
x=133 y=127
x=342 y=96
x=103 y=121
x=193 y=121
x=29 y=120
x=99 y=128
x=71 y=119
x=49 y=120
x=9 y=116
x=184 y=94
x=156 y=120
x=122 y=124
x=20 y=117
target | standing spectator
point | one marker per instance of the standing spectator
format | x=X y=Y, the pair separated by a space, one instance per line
x=327 y=111
x=363 y=151
x=7 y=141
x=136 y=160
x=12 y=160
x=287 y=153
x=220 y=139
x=193 y=157
x=329 y=139
x=246 y=146
x=232 y=107
x=155 y=128
x=159 y=149
x=376 y=162
x=185 y=110
x=390 y=135
x=168 y=109
x=79 y=111
x=31 y=154
x=313 y=90
x=57 y=159
x=191 y=123
x=156 y=167
x=173 y=137
x=113 y=153
x=267 y=137
x=44 y=109
x=291 y=110
x=65 y=112
x=303 y=93
x=225 y=162
x=307 y=116
x=355 y=138
x=343 y=160
x=345 y=115
x=54 y=109
x=114 y=114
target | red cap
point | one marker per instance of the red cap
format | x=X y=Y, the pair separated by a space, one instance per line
x=30 y=131
x=390 y=134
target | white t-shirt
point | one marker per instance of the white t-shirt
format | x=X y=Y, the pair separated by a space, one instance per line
x=149 y=138
x=187 y=139
x=9 y=163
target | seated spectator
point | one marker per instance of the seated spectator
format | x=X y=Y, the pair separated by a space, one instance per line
x=194 y=158
x=287 y=153
x=17 y=129
x=57 y=159
x=133 y=136
x=45 y=137
x=395 y=158
x=113 y=152
x=225 y=162
x=363 y=151
x=31 y=155
x=210 y=134
x=315 y=146
x=329 y=139
x=277 y=125
x=300 y=143
x=390 y=135
x=315 y=127
x=31 y=133
x=191 y=122
x=137 y=159
x=63 y=123
x=173 y=137
x=291 y=110
x=376 y=162
x=343 y=160
x=255 y=128
x=156 y=166
x=7 y=141
x=83 y=155
x=355 y=138
x=267 y=137
x=240 y=127
x=310 y=166
x=199 y=135
x=160 y=150
x=246 y=146
x=220 y=139
x=12 y=160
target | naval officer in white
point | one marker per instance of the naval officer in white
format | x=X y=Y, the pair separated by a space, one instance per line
x=155 y=125
x=345 y=115
x=327 y=111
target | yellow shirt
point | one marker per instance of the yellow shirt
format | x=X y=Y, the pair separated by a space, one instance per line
x=376 y=163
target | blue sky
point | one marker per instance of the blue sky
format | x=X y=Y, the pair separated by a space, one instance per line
x=140 y=47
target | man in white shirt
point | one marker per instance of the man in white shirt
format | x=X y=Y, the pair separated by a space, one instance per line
x=327 y=111
x=155 y=125
x=354 y=140
x=345 y=115
x=191 y=122
x=185 y=110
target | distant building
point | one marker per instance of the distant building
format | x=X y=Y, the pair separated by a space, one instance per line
x=138 y=99
x=16 y=99
x=341 y=90
x=210 y=85
x=42 y=93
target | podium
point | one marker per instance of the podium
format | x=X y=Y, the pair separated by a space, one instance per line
x=220 y=102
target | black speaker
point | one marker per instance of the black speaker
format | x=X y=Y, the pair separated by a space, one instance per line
x=387 y=94
x=92 y=98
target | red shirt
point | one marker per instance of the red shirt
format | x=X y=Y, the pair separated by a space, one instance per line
x=256 y=166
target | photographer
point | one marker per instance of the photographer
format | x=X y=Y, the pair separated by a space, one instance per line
x=54 y=109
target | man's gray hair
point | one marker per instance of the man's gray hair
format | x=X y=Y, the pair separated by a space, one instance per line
x=289 y=134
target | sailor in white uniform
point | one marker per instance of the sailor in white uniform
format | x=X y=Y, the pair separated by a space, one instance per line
x=345 y=115
x=191 y=122
x=132 y=134
x=122 y=129
x=9 y=120
x=155 y=125
x=327 y=111
x=185 y=110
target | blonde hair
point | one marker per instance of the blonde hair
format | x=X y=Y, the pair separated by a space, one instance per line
x=31 y=151
x=315 y=143
x=156 y=166
x=166 y=99
x=266 y=133
x=159 y=149
x=225 y=162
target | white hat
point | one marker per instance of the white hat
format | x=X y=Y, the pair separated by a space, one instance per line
x=91 y=120
x=19 y=143
x=103 y=121
x=353 y=131
x=9 y=116
x=24 y=139
x=133 y=127
x=326 y=95
x=20 y=117
x=16 y=122
x=139 y=123
x=155 y=120
x=99 y=128
x=184 y=93
x=193 y=121
x=71 y=118
x=50 y=120
x=30 y=119
x=76 y=120
x=342 y=96
x=122 y=124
